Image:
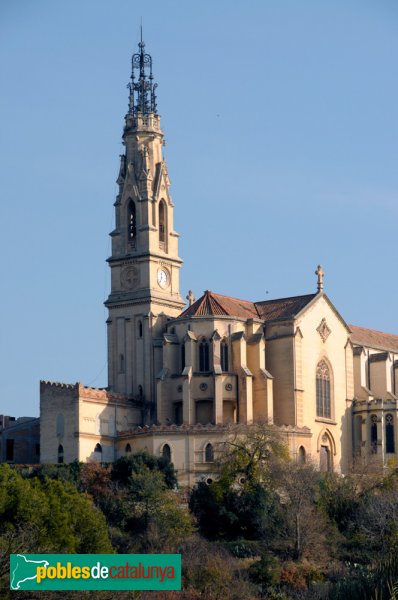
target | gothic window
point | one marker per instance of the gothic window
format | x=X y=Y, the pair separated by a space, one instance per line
x=121 y=363
x=373 y=434
x=182 y=357
x=178 y=413
x=166 y=452
x=140 y=391
x=139 y=329
x=131 y=221
x=60 y=454
x=301 y=455
x=162 y=223
x=204 y=364
x=98 y=449
x=390 y=442
x=127 y=449
x=209 y=453
x=224 y=356
x=323 y=402
x=358 y=434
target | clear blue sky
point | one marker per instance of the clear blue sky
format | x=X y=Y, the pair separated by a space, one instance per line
x=281 y=126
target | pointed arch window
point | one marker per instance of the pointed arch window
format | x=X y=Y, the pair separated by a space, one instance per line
x=166 y=452
x=373 y=433
x=132 y=221
x=390 y=442
x=204 y=351
x=98 y=450
x=60 y=454
x=127 y=449
x=182 y=357
x=301 y=455
x=323 y=400
x=162 y=224
x=224 y=356
x=139 y=329
x=209 y=453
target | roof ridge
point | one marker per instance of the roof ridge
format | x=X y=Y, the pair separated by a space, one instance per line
x=231 y=297
x=373 y=330
x=286 y=298
x=208 y=293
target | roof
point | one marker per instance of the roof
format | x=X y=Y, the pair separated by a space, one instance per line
x=282 y=308
x=211 y=304
x=374 y=339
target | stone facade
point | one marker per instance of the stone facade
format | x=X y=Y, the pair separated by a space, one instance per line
x=19 y=440
x=182 y=380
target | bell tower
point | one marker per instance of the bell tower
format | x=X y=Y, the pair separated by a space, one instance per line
x=144 y=263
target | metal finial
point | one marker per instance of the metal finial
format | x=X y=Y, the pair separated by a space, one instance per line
x=321 y=273
x=143 y=91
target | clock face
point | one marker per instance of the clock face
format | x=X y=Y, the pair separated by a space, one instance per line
x=163 y=278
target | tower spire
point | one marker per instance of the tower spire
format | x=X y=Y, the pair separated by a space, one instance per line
x=142 y=97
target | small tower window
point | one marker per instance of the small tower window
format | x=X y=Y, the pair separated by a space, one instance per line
x=166 y=452
x=224 y=356
x=204 y=356
x=121 y=363
x=162 y=224
x=373 y=434
x=60 y=454
x=139 y=329
x=127 y=449
x=390 y=442
x=209 y=453
x=182 y=357
x=132 y=221
x=323 y=405
x=140 y=391
x=301 y=455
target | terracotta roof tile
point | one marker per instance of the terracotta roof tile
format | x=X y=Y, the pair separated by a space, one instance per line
x=374 y=339
x=282 y=308
x=211 y=304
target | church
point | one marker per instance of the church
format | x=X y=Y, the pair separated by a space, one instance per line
x=182 y=377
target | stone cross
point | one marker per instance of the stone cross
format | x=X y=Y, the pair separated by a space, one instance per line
x=320 y=274
x=191 y=298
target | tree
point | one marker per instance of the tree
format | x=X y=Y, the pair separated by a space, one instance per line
x=242 y=502
x=303 y=525
x=63 y=519
x=251 y=453
x=126 y=466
